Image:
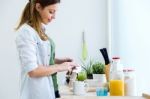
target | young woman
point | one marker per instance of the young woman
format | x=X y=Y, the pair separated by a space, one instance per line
x=37 y=52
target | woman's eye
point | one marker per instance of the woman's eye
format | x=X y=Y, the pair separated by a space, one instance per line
x=51 y=12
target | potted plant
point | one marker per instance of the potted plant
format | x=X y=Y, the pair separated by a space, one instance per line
x=98 y=68
x=80 y=87
x=87 y=67
x=81 y=76
x=98 y=71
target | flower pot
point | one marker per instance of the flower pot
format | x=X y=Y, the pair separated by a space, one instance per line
x=92 y=82
x=80 y=88
x=100 y=77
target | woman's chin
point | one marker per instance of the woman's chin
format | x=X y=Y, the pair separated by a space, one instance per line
x=46 y=23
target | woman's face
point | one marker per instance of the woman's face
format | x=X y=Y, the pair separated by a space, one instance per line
x=47 y=13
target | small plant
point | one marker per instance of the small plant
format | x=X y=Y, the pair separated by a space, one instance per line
x=98 y=68
x=87 y=67
x=81 y=76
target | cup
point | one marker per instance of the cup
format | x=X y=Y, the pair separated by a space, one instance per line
x=101 y=91
x=71 y=83
x=77 y=69
x=80 y=88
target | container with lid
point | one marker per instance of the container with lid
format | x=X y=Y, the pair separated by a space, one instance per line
x=130 y=82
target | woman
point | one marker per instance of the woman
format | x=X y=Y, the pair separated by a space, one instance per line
x=37 y=51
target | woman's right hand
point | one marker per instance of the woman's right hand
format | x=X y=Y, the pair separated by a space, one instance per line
x=67 y=66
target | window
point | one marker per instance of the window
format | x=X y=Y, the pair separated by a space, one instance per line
x=130 y=30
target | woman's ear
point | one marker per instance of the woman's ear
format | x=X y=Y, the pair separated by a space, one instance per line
x=38 y=7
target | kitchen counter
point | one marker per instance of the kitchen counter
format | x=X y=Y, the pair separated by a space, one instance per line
x=66 y=93
x=101 y=97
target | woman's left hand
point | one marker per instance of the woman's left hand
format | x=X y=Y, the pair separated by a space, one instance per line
x=68 y=60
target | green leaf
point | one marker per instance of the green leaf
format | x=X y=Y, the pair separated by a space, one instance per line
x=87 y=66
x=84 y=48
x=84 y=52
x=98 y=68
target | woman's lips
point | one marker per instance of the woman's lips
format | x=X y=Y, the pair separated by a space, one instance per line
x=49 y=20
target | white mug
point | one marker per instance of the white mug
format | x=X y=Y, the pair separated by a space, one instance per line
x=80 y=88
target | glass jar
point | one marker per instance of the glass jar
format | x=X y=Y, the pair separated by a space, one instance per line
x=116 y=83
x=130 y=82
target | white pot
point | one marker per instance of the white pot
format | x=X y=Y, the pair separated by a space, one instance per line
x=100 y=77
x=92 y=82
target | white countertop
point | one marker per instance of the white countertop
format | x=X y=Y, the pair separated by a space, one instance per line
x=96 y=97
x=66 y=93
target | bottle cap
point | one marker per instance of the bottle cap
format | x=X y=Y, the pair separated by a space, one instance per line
x=116 y=57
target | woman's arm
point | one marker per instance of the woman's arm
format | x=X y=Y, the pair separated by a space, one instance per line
x=27 y=51
x=49 y=70
x=60 y=61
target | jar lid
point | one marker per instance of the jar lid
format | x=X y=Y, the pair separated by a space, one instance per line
x=116 y=57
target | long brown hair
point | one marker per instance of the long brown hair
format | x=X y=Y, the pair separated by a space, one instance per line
x=31 y=16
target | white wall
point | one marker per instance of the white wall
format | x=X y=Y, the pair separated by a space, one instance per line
x=131 y=32
x=73 y=16
x=9 y=70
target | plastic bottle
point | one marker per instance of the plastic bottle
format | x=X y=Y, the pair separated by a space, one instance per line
x=116 y=83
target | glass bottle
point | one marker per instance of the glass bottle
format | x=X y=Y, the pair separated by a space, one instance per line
x=130 y=82
x=116 y=83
